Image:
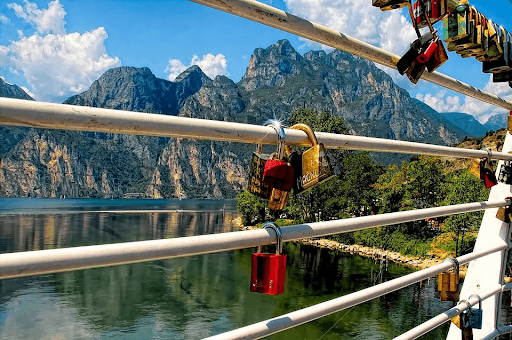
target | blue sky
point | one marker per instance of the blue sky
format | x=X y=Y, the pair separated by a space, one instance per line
x=56 y=49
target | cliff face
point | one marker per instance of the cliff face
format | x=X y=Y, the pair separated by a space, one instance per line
x=46 y=163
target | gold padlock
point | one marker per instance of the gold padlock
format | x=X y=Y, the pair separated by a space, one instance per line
x=315 y=165
x=278 y=199
x=509 y=123
x=448 y=282
x=503 y=214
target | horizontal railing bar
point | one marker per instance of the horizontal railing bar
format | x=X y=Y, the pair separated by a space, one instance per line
x=17 y=112
x=437 y=321
x=298 y=317
x=271 y=16
x=66 y=259
x=499 y=331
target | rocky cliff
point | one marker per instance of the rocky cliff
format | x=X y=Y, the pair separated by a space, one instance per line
x=47 y=163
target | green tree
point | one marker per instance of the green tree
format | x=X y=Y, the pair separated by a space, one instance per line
x=251 y=207
x=466 y=188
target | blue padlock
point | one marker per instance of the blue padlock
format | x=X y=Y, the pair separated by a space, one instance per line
x=476 y=314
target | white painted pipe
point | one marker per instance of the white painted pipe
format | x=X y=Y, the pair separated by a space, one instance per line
x=67 y=259
x=437 y=321
x=301 y=316
x=271 y=16
x=19 y=112
x=499 y=331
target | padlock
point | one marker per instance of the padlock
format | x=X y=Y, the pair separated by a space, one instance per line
x=448 y=282
x=509 y=123
x=487 y=174
x=277 y=173
x=256 y=186
x=415 y=49
x=504 y=214
x=279 y=198
x=456 y=320
x=502 y=77
x=476 y=314
x=438 y=58
x=505 y=175
x=315 y=164
x=477 y=49
x=471 y=40
x=415 y=71
x=467 y=330
x=268 y=271
x=435 y=9
x=427 y=54
x=456 y=25
x=502 y=64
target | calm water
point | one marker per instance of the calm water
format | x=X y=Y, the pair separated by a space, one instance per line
x=187 y=298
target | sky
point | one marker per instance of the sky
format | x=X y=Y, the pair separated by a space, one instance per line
x=56 y=49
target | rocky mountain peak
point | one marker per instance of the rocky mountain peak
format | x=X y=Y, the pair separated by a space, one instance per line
x=12 y=91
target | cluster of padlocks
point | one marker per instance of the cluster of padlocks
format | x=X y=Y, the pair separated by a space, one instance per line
x=465 y=30
x=448 y=286
x=273 y=177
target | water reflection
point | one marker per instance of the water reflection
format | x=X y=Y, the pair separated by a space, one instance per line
x=192 y=297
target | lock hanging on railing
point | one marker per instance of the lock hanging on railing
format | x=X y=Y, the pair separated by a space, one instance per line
x=505 y=175
x=277 y=173
x=476 y=315
x=486 y=171
x=256 y=185
x=448 y=282
x=312 y=167
x=463 y=321
x=268 y=271
x=504 y=214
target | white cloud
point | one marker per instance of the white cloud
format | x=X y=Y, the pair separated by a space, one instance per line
x=57 y=64
x=4 y=20
x=212 y=66
x=389 y=30
x=443 y=102
x=50 y=20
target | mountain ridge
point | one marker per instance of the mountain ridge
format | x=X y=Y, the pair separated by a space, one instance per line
x=278 y=80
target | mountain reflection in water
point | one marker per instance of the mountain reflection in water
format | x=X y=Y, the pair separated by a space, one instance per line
x=185 y=298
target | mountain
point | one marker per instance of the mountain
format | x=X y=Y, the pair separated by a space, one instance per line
x=12 y=91
x=466 y=122
x=496 y=122
x=278 y=80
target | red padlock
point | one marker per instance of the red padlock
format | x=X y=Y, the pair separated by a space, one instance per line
x=486 y=172
x=277 y=173
x=425 y=56
x=268 y=271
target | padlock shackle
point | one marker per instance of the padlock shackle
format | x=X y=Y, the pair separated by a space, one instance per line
x=467 y=303
x=279 y=236
x=280 y=136
x=308 y=130
x=479 y=300
x=455 y=263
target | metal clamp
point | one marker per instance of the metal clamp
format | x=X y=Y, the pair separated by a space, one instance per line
x=280 y=135
x=455 y=263
x=279 y=236
x=479 y=300
x=467 y=303
x=489 y=152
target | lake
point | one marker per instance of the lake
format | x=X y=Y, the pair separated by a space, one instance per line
x=185 y=298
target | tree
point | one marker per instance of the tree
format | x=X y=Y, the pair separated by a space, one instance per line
x=251 y=207
x=466 y=188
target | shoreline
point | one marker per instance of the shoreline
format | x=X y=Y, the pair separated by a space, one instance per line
x=372 y=253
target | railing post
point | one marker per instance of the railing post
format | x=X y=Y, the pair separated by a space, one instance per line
x=488 y=271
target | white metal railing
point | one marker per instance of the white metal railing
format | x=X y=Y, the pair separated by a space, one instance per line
x=437 y=321
x=66 y=259
x=271 y=16
x=19 y=112
x=298 y=317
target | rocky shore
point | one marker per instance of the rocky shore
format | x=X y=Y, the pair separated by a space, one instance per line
x=374 y=253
